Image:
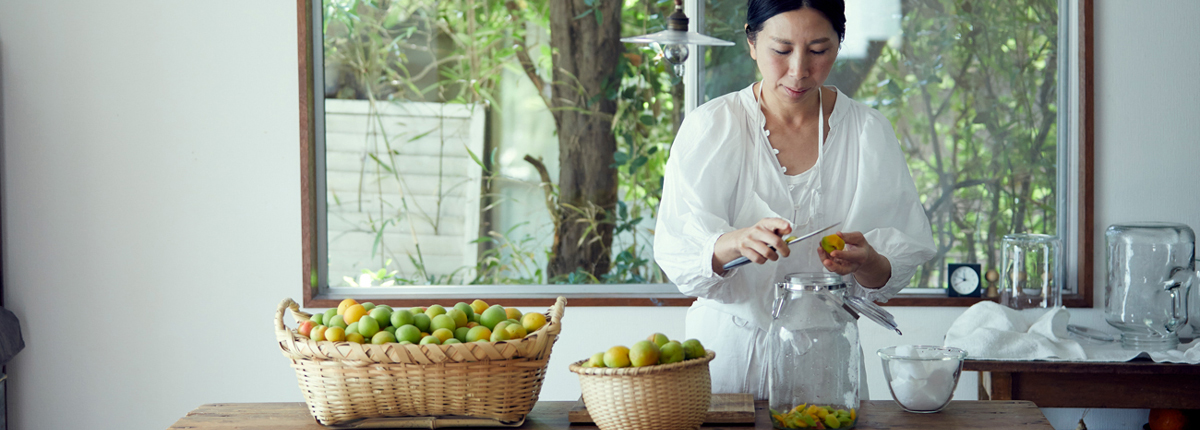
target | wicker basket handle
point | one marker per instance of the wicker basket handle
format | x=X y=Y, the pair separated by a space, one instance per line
x=287 y=342
x=286 y=339
x=540 y=347
x=556 y=313
x=284 y=306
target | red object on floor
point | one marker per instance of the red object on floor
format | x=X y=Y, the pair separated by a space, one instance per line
x=1167 y=419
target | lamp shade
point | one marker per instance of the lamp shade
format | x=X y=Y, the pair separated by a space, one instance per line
x=676 y=37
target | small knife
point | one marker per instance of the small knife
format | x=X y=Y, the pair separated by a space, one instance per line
x=740 y=261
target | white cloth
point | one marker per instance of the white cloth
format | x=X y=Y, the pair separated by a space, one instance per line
x=992 y=331
x=723 y=175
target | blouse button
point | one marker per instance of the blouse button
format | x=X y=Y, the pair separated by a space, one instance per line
x=768 y=132
x=776 y=150
x=784 y=169
x=791 y=187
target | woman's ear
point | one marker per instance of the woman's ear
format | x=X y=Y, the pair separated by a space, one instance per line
x=750 y=43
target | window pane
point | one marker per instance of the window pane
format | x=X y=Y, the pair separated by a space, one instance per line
x=433 y=112
x=971 y=89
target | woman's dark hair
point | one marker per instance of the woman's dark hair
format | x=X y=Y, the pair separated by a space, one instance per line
x=759 y=11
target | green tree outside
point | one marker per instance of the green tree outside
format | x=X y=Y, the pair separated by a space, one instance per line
x=970 y=88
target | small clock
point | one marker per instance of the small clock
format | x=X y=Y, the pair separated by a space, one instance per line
x=963 y=280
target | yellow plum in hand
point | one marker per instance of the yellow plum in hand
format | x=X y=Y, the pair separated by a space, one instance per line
x=832 y=243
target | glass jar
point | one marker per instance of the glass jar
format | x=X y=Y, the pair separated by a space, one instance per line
x=1029 y=264
x=814 y=351
x=1151 y=268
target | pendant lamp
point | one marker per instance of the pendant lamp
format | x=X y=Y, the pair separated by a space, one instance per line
x=675 y=39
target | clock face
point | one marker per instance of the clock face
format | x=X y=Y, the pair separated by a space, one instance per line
x=964 y=280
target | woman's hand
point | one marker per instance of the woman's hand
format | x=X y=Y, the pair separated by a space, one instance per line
x=871 y=269
x=761 y=242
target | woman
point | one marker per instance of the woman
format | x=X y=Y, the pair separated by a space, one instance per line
x=787 y=155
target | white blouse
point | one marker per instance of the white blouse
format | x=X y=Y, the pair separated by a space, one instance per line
x=723 y=174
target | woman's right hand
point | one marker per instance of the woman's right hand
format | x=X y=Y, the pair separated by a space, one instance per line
x=761 y=242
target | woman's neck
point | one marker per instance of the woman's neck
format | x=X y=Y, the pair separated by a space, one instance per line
x=791 y=114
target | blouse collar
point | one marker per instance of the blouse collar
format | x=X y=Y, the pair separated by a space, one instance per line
x=749 y=100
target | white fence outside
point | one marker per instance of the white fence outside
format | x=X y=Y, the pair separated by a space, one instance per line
x=427 y=208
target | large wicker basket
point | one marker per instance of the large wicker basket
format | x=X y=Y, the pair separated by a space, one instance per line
x=345 y=382
x=660 y=397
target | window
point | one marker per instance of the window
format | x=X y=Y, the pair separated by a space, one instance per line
x=432 y=158
x=973 y=92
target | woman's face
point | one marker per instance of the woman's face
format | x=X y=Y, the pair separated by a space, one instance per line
x=795 y=51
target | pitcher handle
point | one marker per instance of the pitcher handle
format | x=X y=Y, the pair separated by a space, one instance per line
x=1180 y=277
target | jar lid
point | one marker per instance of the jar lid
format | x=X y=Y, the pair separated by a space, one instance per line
x=872 y=311
x=813 y=280
x=833 y=282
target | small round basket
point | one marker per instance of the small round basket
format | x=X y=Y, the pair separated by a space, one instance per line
x=660 y=397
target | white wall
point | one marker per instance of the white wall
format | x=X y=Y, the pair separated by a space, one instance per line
x=1147 y=140
x=151 y=206
x=151 y=211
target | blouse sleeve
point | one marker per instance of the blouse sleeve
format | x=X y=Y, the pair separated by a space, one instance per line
x=887 y=208
x=698 y=200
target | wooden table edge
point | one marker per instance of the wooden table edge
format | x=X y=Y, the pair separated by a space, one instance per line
x=552 y=414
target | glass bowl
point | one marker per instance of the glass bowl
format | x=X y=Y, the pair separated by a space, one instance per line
x=922 y=378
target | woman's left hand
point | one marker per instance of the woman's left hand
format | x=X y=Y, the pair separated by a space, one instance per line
x=871 y=269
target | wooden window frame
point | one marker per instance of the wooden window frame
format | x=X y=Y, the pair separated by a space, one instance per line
x=312 y=298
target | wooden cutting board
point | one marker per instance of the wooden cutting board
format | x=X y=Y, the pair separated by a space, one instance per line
x=724 y=408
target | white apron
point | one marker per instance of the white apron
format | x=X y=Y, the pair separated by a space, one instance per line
x=742 y=362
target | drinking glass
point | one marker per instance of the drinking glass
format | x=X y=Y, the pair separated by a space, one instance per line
x=1029 y=264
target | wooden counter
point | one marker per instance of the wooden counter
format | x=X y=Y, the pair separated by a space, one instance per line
x=547 y=415
x=1054 y=384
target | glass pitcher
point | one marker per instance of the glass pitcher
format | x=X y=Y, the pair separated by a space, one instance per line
x=815 y=356
x=1151 y=270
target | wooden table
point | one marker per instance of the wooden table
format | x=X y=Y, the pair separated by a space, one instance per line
x=1132 y=384
x=547 y=415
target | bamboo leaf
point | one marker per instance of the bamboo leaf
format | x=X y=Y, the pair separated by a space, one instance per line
x=381 y=163
x=474 y=157
x=419 y=136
